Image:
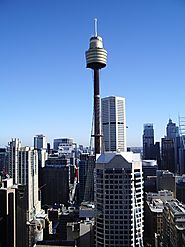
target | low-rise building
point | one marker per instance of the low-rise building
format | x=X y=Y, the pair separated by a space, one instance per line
x=173 y=224
x=154 y=206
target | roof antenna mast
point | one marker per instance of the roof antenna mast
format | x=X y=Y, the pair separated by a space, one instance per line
x=95 y=27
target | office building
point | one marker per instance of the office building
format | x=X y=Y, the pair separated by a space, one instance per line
x=157 y=154
x=3 y=160
x=55 y=182
x=166 y=181
x=180 y=189
x=170 y=145
x=149 y=175
x=41 y=145
x=28 y=175
x=13 y=212
x=65 y=142
x=149 y=168
x=119 y=200
x=148 y=142
x=13 y=159
x=181 y=152
x=113 y=124
x=86 y=177
x=8 y=215
x=40 y=142
x=23 y=168
x=173 y=224
x=168 y=155
x=153 y=221
x=83 y=169
x=172 y=131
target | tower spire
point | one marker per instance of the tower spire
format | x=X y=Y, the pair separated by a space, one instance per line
x=95 y=27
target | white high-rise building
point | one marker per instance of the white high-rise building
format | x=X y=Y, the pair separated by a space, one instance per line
x=28 y=162
x=40 y=144
x=114 y=123
x=119 y=200
x=13 y=159
x=23 y=168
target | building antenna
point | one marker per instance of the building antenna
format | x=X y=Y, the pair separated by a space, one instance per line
x=95 y=27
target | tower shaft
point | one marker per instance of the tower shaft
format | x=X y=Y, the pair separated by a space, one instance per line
x=97 y=111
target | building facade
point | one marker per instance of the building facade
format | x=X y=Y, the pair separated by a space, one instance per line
x=119 y=200
x=172 y=131
x=13 y=215
x=65 y=142
x=3 y=160
x=170 y=146
x=168 y=155
x=148 y=141
x=166 y=181
x=23 y=168
x=55 y=178
x=153 y=221
x=86 y=177
x=113 y=124
x=180 y=189
x=40 y=142
x=173 y=224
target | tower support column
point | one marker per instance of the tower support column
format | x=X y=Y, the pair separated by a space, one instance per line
x=97 y=133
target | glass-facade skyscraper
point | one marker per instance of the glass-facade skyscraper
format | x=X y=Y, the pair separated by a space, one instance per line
x=148 y=141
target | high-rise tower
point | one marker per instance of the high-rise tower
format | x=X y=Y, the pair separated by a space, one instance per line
x=40 y=142
x=114 y=123
x=148 y=141
x=169 y=148
x=23 y=168
x=119 y=200
x=96 y=58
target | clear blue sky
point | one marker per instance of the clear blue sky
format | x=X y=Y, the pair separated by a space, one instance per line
x=45 y=86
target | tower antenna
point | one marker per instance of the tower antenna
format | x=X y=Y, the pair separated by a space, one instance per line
x=95 y=27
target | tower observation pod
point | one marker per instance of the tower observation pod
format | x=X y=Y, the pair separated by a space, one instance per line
x=96 y=59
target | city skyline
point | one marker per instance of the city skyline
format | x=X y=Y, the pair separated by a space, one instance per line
x=45 y=87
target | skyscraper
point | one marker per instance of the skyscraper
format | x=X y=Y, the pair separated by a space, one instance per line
x=119 y=200
x=13 y=159
x=148 y=141
x=40 y=142
x=3 y=159
x=172 y=131
x=55 y=181
x=114 y=123
x=23 y=168
x=168 y=154
x=86 y=178
x=13 y=211
x=170 y=148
